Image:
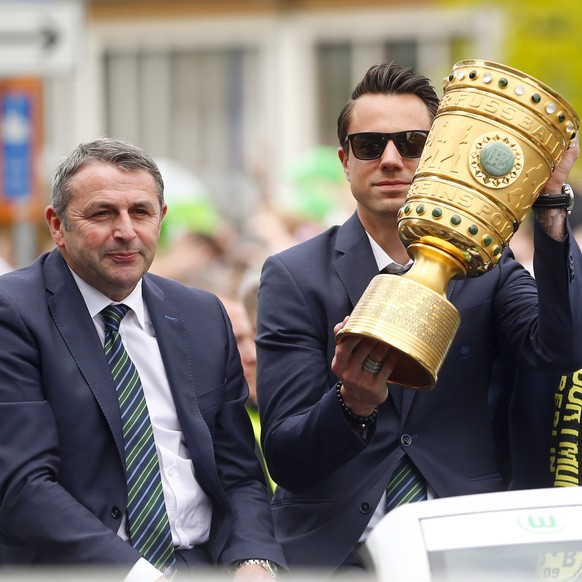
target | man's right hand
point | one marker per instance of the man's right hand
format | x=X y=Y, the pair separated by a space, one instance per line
x=362 y=390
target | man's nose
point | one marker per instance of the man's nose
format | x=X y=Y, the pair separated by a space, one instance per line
x=391 y=156
x=124 y=226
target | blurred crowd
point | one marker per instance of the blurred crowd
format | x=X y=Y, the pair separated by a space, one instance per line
x=221 y=249
x=203 y=246
x=225 y=256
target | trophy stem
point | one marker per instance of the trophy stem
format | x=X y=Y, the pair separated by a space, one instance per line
x=436 y=262
x=411 y=313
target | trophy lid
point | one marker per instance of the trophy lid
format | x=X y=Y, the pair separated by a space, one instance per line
x=523 y=89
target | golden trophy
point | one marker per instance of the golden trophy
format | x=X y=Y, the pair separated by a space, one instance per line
x=497 y=136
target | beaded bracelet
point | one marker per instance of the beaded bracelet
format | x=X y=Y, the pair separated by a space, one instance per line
x=359 y=421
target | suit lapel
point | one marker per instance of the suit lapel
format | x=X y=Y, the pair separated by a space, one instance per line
x=355 y=262
x=181 y=360
x=78 y=331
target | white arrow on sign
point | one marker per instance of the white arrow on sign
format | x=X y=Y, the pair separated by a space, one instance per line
x=40 y=38
x=47 y=37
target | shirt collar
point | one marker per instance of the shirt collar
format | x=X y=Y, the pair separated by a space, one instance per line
x=383 y=259
x=96 y=301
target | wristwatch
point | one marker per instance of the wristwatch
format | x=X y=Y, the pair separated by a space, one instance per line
x=267 y=565
x=564 y=200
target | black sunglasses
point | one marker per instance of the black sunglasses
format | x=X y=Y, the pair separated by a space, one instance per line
x=371 y=145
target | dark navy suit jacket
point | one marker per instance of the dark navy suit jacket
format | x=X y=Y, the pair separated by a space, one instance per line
x=62 y=486
x=330 y=479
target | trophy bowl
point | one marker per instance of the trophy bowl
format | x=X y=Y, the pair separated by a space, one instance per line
x=496 y=138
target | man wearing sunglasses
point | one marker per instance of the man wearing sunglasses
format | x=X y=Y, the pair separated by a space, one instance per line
x=333 y=434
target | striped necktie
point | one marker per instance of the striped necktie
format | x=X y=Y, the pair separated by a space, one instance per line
x=149 y=528
x=406 y=485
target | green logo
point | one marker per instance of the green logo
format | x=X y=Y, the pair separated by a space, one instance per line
x=497 y=159
x=543 y=524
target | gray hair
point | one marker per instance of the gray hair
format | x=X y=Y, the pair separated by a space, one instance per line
x=118 y=153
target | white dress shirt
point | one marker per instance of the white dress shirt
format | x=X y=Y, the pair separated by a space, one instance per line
x=189 y=508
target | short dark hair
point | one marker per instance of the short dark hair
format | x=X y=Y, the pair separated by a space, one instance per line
x=109 y=150
x=388 y=79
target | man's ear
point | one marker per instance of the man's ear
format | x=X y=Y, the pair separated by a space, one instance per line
x=343 y=156
x=55 y=225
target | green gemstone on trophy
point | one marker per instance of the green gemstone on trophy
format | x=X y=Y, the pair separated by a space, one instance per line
x=496 y=159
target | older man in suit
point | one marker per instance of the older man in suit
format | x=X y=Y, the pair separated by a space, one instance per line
x=106 y=368
x=333 y=434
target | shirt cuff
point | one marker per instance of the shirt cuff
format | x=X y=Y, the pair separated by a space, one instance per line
x=143 y=571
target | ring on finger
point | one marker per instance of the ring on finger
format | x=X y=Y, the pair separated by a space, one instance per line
x=371 y=366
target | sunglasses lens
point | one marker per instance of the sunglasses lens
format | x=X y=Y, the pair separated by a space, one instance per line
x=410 y=143
x=368 y=146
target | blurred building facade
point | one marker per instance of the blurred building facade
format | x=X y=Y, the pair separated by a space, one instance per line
x=236 y=90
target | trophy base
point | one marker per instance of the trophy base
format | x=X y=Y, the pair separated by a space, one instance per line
x=411 y=318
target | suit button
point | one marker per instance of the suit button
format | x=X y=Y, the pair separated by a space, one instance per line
x=406 y=440
x=116 y=513
x=364 y=507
